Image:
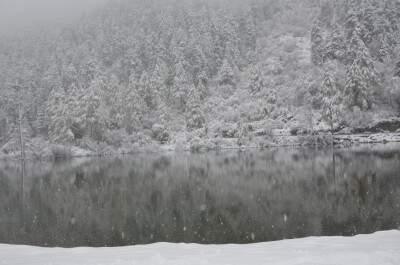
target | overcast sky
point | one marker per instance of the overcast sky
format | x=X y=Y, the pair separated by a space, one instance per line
x=20 y=15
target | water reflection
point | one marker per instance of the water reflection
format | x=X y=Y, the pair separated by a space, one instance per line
x=218 y=197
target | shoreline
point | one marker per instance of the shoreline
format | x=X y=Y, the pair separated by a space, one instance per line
x=381 y=247
x=277 y=141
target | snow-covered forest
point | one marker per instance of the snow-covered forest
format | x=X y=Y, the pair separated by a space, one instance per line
x=199 y=74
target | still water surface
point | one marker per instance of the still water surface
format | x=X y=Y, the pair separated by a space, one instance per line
x=215 y=197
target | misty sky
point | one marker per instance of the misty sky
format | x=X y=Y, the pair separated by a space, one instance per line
x=20 y=15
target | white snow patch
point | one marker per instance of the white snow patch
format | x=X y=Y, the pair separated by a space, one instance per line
x=379 y=248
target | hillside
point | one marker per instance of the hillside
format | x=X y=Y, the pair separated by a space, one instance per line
x=177 y=74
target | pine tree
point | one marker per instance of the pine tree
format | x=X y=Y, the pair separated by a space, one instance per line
x=3 y=128
x=353 y=30
x=256 y=82
x=75 y=112
x=361 y=81
x=180 y=85
x=368 y=23
x=392 y=10
x=132 y=62
x=335 y=45
x=397 y=69
x=232 y=54
x=330 y=100
x=95 y=118
x=326 y=14
x=249 y=30
x=40 y=119
x=160 y=77
x=56 y=117
x=355 y=44
x=271 y=97
x=226 y=76
x=70 y=76
x=199 y=65
x=133 y=108
x=145 y=91
x=383 y=48
x=351 y=22
x=112 y=97
x=194 y=113
x=230 y=39
x=3 y=120
x=257 y=53
x=317 y=45
x=157 y=86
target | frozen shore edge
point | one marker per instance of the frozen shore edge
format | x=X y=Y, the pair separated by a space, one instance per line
x=378 y=248
x=206 y=144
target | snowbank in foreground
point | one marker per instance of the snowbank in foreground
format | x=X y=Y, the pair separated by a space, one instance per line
x=379 y=248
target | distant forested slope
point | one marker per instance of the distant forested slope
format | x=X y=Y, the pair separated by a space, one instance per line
x=179 y=72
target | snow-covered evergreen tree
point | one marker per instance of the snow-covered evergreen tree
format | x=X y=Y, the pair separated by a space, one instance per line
x=112 y=96
x=200 y=66
x=361 y=81
x=133 y=108
x=56 y=117
x=397 y=69
x=330 y=100
x=317 y=45
x=368 y=23
x=3 y=125
x=383 y=48
x=326 y=13
x=248 y=26
x=145 y=91
x=256 y=81
x=355 y=44
x=335 y=45
x=95 y=119
x=40 y=119
x=180 y=86
x=75 y=112
x=194 y=113
x=226 y=75
x=351 y=20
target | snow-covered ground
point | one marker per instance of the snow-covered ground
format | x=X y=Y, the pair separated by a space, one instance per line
x=279 y=138
x=378 y=248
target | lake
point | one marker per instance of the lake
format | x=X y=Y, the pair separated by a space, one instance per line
x=230 y=196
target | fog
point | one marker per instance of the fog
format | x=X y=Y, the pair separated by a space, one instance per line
x=17 y=16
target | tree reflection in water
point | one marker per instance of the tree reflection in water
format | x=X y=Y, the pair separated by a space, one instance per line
x=216 y=197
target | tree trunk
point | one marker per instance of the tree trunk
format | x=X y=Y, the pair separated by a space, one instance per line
x=20 y=133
